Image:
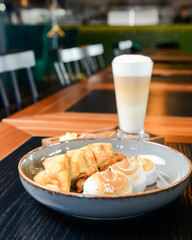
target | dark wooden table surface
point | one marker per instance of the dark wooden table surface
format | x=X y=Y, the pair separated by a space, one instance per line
x=24 y=218
x=168 y=55
x=72 y=109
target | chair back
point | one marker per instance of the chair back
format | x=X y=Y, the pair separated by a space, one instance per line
x=94 y=50
x=122 y=47
x=71 y=54
x=11 y=62
x=16 y=60
x=70 y=64
x=126 y=47
x=95 y=56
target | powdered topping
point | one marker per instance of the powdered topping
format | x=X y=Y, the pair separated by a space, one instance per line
x=111 y=182
x=109 y=188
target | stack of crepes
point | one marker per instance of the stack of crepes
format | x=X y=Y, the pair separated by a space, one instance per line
x=64 y=172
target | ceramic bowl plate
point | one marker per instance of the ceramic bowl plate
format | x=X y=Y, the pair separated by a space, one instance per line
x=173 y=168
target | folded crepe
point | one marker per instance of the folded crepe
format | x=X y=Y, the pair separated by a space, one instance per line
x=103 y=153
x=89 y=159
x=118 y=157
x=82 y=163
x=56 y=174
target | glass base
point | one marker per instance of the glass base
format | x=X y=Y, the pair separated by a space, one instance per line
x=138 y=136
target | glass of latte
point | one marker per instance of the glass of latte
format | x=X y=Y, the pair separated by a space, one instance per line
x=132 y=76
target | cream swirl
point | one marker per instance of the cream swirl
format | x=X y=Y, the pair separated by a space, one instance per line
x=133 y=172
x=148 y=167
x=107 y=183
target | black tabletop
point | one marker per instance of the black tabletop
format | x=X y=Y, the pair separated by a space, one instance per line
x=161 y=103
x=24 y=218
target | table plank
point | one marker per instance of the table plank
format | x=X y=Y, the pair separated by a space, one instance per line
x=174 y=129
x=168 y=55
x=162 y=58
x=170 y=72
x=11 y=138
x=53 y=125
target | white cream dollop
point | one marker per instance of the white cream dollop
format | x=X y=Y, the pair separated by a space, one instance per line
x=148 y=168
x=108 y=182
x=133 y=172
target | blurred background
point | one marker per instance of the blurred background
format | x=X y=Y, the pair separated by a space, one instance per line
x=45 y=25
x=28 y=25
x=96 y=12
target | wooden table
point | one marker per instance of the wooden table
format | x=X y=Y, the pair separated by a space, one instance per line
x=169 y=62
x=169 y=109
x=168 y=55
x=24 y=218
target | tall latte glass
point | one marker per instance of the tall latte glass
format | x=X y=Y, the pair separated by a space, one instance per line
x=132 y=76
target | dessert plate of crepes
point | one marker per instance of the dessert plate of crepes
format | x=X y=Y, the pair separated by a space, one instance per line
x=104 y=179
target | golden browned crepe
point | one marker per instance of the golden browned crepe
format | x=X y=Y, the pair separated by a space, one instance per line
x=89 y=159
x=78 y=164
x=103 y=153
x=40 y=178
x=91 y=165
x=118 y=157
x=56 y=174
x=105 y=167
x=83 y=165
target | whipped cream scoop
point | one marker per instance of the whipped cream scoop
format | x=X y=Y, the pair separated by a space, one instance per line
x=148 y=167
x=133 y=172
x=108 y=182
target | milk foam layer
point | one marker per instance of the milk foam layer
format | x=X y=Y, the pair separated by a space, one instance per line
x=132 y=65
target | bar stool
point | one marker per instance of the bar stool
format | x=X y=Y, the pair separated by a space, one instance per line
x=10 y=62
x=68 y=64
x=95 y=56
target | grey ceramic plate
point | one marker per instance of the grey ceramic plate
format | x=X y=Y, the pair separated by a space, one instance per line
x=173 y=167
